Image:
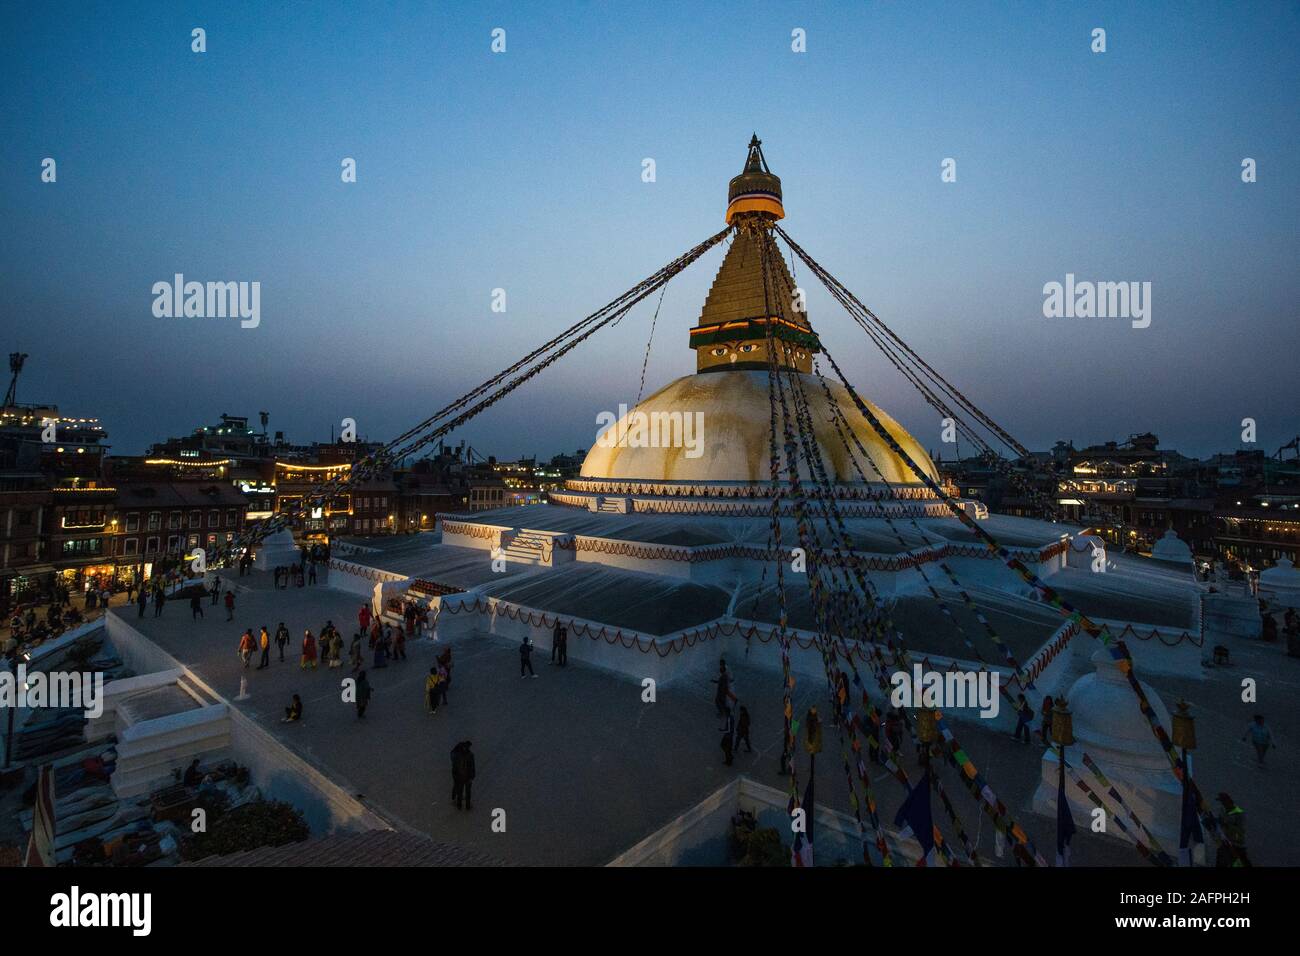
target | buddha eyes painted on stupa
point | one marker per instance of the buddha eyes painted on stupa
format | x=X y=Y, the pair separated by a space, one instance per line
x=734 y=349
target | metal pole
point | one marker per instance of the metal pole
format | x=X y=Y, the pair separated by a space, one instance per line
x=9 y=733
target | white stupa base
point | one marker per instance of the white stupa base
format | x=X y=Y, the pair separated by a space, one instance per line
x=1110 y=729
x=1150 y=792
x=276 y=550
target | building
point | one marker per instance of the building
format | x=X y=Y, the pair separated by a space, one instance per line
x=154 y=525
x=52 y=508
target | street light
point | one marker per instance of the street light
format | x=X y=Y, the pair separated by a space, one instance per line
x=1184 y=737
x=1062 y=733
x=9 y=734
x=927 y=730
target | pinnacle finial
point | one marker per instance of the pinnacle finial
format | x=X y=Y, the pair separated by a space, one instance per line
x=756 y=189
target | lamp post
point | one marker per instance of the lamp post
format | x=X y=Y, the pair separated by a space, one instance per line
x=1184 y=738
x=9 y=733
x=927 y=730
x=1062 y=733
x=812 y=739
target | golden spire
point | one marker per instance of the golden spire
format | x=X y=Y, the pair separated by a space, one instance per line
x=733 y=329
x=756 y=191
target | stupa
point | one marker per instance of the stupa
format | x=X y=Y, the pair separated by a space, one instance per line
x=657 y=557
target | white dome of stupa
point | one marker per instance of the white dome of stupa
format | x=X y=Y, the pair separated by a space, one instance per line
x=1108 y=720
x=1172 y=549
x=1283 y=576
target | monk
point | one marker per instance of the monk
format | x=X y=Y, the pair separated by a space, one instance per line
x=308 y=651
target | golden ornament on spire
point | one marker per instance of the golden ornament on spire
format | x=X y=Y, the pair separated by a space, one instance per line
x=755 y=192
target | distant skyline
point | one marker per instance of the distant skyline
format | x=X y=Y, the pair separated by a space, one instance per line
x=522 y=171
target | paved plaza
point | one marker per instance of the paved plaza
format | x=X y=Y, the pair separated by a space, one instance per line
x=584 y=769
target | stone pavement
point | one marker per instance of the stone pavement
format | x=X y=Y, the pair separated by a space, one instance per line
x=584 y=769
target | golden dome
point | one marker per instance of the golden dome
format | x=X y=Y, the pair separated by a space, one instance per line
x=716 y=426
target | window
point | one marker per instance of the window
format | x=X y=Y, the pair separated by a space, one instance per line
x=83 y=546
x=131 y=546
x=24 y=517
x=173 y=521
x=155 y=520
x=133 y=522
x=173 y=542
x=194 y=541
x=196 y=521
x=230 y=517
x=151 y=545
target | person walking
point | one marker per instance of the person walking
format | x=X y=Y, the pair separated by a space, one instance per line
x=1024 y=717
x=230 y=605
x=264 y=641
x=555 y=640
x=159 y=599
x=526 y=658
x=1260 y=736
x=1232 y=851
x=728 y=739
x=141 y=601
x=444 y=684
x=564 y=646
x=432 y=693
x=445 y=663
x=196 y=607
x=723 y=680
x=216 y=591
x=336 y=649
x=742 y=730
x=462 y=775
x=399 y=645
x=311 y=574
x=363 y=694
x=281 y=639
x=1045 y=731
x=355 y=653
x=308 y=651
x=246 y=645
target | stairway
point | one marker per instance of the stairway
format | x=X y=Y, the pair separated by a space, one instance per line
x=613 y=506
x=528 y=547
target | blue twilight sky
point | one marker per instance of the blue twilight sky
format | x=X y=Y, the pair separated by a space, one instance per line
x=522 y=171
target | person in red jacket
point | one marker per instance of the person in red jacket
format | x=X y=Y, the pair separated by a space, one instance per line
x=246 y=645
x=230 y=605
x=363 y=618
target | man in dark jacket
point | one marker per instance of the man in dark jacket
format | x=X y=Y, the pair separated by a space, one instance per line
x=526 y=658
x=462 y=774
x=363 y=694
x=723 y=680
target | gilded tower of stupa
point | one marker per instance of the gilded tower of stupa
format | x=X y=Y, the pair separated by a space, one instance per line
x=733 y=329
x=729 y=392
